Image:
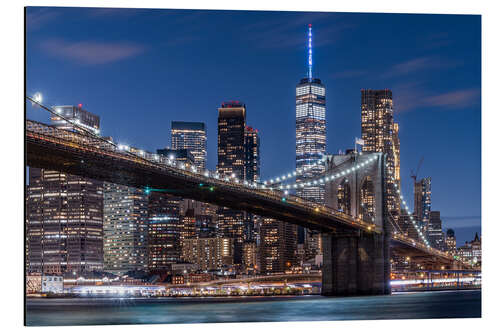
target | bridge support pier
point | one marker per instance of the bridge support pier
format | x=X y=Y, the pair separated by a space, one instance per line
x=355 y=263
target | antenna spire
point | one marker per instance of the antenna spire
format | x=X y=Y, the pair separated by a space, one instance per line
x=309 y=54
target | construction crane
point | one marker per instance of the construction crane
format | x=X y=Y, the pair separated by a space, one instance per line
x=414 y=174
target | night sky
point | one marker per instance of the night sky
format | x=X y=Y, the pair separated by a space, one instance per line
x=140 y=69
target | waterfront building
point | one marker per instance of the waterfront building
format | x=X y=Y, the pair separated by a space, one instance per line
x=188 y=221
x=209 y=253
x=193 y=137
x=380 y=134
x=250 y=256
x=422 y=202
x=125 y=229
x=164 y=231
x=278 y=245
x=451 y=242
x=435 y=234
x=471 y=251
x=64 y=213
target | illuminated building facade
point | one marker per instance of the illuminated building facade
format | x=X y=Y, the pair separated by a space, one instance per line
x=471 y=252
x=75 y=114
x=231 y=140
x=380 y=134
x=193 y=137
x=435 y=231
x=451 y=242
x=252 y=174
x=250 y=260
x=65 y=212
x=179 y=155
x=310 y=129
x=64 y=223
x=125 y=229
x=422 y=205
x=278 y=244
x=310 y=140
x=252 y=154
x=209 y=253
x=188 y=221
x=164 y=231
x=231 y=164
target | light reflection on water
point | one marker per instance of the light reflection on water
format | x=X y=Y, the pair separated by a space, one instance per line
x=450 y=304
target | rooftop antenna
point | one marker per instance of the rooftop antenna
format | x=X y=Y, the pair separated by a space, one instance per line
x=309 y=54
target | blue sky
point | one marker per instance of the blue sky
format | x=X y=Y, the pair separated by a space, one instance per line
x=141 y=69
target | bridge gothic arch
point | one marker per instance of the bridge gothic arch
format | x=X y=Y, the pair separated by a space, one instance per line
x=356 y=263
x=344 y=196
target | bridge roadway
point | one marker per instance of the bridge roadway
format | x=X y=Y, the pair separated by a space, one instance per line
x=88 y=156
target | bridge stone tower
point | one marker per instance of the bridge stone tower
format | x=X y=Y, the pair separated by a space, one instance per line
x=357 y=262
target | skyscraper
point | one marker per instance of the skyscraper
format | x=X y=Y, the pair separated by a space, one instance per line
x=252 y=174
x=310 y=129
x=231 y=140
x=435 y=233
x=164 y=231
x=65 y=212
x=422 y=202
x=125 y=229
x=231 y=164
x=252 y=154
x=451 y=242
x=380 y=134
x=193 y=137
x=310 y=139
x=278 y=244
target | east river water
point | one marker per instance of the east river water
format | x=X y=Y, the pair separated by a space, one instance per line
x=99 y=311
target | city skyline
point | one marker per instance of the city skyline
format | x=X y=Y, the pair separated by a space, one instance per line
x=280 y=125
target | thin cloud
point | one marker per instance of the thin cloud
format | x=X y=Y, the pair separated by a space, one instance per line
x=413 y=95
x=454 y=99
x=419 y=64
x=36 y=18
x=91 y=52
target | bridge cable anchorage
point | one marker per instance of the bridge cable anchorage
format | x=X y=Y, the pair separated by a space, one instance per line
x=322 y=179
